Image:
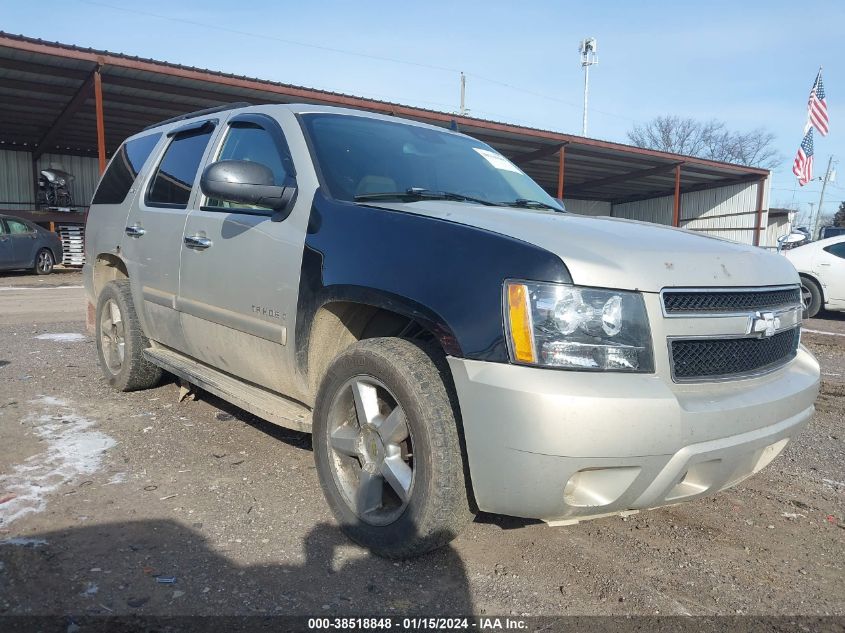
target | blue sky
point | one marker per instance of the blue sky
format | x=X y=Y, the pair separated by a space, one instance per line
x=747 y=63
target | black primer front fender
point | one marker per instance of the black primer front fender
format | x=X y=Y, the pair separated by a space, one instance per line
x=445 y=275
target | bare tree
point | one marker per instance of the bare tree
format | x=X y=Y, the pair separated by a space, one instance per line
x=839 y=217
x=707 y=139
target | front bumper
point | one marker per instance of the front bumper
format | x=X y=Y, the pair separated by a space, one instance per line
x=566 y=446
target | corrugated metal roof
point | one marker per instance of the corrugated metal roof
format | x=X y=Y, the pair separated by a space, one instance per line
x=38 y=80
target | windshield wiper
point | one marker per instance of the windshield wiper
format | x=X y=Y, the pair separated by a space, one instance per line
x=413 y=194
x=526 y=203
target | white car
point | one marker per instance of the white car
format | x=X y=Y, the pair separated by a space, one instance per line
x=821 y=266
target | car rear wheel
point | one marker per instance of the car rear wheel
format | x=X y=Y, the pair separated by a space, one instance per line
x=811 y=297
x=120 y=341
x=44 y=262
x=387 y=449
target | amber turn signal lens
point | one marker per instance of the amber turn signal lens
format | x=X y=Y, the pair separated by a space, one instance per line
x=519 y=314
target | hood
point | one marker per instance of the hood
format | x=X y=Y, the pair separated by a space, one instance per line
x=616 y=253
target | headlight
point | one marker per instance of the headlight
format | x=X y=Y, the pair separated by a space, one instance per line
x=572 y=327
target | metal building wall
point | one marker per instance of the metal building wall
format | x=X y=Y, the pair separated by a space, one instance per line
x=776 y=227
x=587 y=207
x=658 y=210
x=728 y=212
x=17 y=190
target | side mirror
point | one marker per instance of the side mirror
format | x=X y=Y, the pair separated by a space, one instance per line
x=791 y=238
x=245 y=182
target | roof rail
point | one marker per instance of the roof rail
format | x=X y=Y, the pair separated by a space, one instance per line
x=191 y=115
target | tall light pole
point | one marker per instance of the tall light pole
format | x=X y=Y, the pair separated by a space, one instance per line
x=589 y=56
x=463 y=109
x=825 y=180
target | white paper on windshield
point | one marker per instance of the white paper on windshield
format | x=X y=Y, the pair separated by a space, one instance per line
x=497 y=160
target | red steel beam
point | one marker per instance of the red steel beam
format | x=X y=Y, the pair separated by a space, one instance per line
x=758 y=223
x=103 y=58
x=631 y=175
x=42 y=69
x=676 y=207
x=562 y=156
x=689 y=189
x=537 y=154
x=101 y=125
x=67 y=114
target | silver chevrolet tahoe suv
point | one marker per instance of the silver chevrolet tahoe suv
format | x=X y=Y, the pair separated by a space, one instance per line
x=452 y=338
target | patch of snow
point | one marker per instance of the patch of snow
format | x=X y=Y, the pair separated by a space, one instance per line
x=91 y=590
x=64 y=337
x=40 y=288
x=117 y=478
x=73 y=449
x=792 y=515
x=24 y=542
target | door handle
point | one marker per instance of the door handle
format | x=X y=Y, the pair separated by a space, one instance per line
x=136 y=230
x=824 y=263
x=197 y=241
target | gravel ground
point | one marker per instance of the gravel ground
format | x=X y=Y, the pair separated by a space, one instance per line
x=61 y=276
x=118 y=492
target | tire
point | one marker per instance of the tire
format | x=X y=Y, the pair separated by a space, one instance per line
x=120 y=341
x=44 y=262
x=811 y=295
x=359 y=463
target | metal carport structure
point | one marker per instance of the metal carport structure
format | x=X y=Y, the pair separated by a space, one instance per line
x=68 y=101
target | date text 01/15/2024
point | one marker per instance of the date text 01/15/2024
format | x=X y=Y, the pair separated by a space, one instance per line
x=417 y=623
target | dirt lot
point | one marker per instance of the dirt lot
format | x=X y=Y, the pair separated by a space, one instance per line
x=117 y=492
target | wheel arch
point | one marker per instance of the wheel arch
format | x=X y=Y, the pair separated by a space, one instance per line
x=107 y=267
x=813 y=278
x=349 y=315
x=56 y=251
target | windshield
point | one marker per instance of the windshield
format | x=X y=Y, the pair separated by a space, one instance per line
x=360 y=156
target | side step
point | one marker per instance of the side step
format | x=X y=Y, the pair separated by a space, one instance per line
x=257 y=400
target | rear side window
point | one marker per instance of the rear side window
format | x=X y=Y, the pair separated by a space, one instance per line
x=16 y=227
x=837 y=249
x=124 y=169
x=174 y=178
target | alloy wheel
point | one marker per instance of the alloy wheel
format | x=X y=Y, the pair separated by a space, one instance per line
x=806 y=297
x=371 y=450
x=45 y=262
x=112 y=336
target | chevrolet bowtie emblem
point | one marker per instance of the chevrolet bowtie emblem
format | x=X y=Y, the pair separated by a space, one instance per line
x=765 y=324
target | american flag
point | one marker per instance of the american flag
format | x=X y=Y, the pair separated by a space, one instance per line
x=817 y=106
x=803 y=165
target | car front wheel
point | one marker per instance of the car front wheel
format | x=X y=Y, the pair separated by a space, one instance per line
x=811 y=297
x=387 y=449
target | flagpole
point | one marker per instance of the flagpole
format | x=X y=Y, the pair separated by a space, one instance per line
x=821 y=197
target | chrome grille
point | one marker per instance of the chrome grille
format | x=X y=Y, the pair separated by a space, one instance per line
x=714 y=358
x=680 y=302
